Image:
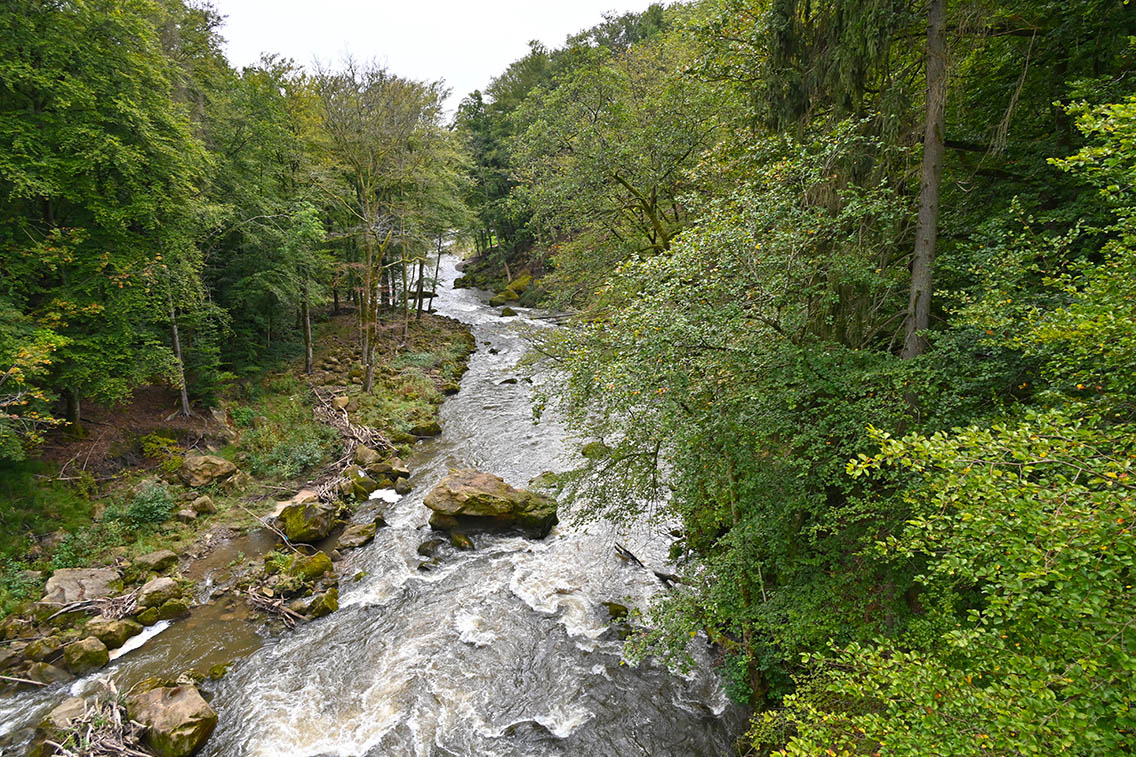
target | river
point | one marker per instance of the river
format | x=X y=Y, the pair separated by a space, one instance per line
x=505 y=650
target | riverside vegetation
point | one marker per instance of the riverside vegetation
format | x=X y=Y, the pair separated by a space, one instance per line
x=854 y=301
x=850 y=296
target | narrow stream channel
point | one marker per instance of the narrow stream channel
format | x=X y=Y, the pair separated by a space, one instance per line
x=505 y=650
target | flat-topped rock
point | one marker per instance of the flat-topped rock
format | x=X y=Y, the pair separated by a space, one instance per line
x=69 y=585
x=178 y=721
x=156 y=561
x=200 y=470
x=475 y=500
x=356 y=535
x=154 y=593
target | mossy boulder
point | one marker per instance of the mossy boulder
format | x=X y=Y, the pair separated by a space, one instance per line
x=158 y=591
x=306 y=521
x=503 y=297
x=428 y=428
x=429 y=547
x=177 y=719
x=45 y=672
x=473 y=500
x=460 y=541
x=402 y=486
x=113 y=633
x=507 y=312
x=310 y=567
x=361 y=485
x=393 y=468
x=365 y=456
x=83 y=656
x=148 y=617
x=156 y=562
x=521 y=283
x=173 y=608
x=39 y=650
x=356 y=535
x=323 y=604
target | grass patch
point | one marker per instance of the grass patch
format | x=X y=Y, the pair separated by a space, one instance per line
x=281 y=439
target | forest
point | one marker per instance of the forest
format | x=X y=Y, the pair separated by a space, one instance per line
x=849 y=291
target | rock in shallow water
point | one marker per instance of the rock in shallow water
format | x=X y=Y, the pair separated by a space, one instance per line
x=474 y=500
x=85 y=655
x=177 y=719
x=158 y=591
x=112 y=633
x=356 y=535
x=306 y=521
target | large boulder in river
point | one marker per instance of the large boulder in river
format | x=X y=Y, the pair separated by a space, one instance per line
x=160 y=590
x=358 y=483
x=200 y=470
x=113 y=633
x=356 y=535
x=481 y=501
x=306 y=521
x=177 y=719
x=83 y=656
x=69 y=585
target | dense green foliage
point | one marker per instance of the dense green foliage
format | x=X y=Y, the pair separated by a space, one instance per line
x=964 y=584
x=165 y=218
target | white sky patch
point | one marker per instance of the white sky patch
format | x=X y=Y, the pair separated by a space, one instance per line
x=464 y=42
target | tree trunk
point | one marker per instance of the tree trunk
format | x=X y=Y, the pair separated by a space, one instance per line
x=73 y=409
x=922 y=265
x=177 y=356
x=421 y=275
x=367 y=309
x=305 y=309
x=335 y=300
x=437 y=268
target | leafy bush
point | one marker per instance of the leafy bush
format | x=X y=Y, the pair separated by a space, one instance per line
x=163 y=449
x=150 y=506
x=243 y=416
x=1025 y=530
x=290 y=458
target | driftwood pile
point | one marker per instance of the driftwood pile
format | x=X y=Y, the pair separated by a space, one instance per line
x=104 y=730
x=352 y=434
x=273 y=605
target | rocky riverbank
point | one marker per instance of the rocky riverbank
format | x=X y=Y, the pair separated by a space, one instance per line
x=88 y=616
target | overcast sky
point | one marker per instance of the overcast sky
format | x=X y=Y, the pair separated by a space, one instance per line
x=466 y=43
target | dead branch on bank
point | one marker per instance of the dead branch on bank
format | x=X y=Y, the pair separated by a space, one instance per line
x=273 y=606
x=114 y=608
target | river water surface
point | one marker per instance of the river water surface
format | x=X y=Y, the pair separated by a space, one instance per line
x=505 y=650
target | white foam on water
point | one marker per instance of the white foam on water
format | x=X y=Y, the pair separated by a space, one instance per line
x=390 y=496
x=137 y=640
x=472 y=630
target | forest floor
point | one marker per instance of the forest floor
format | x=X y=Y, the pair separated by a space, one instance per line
x=84 y=501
